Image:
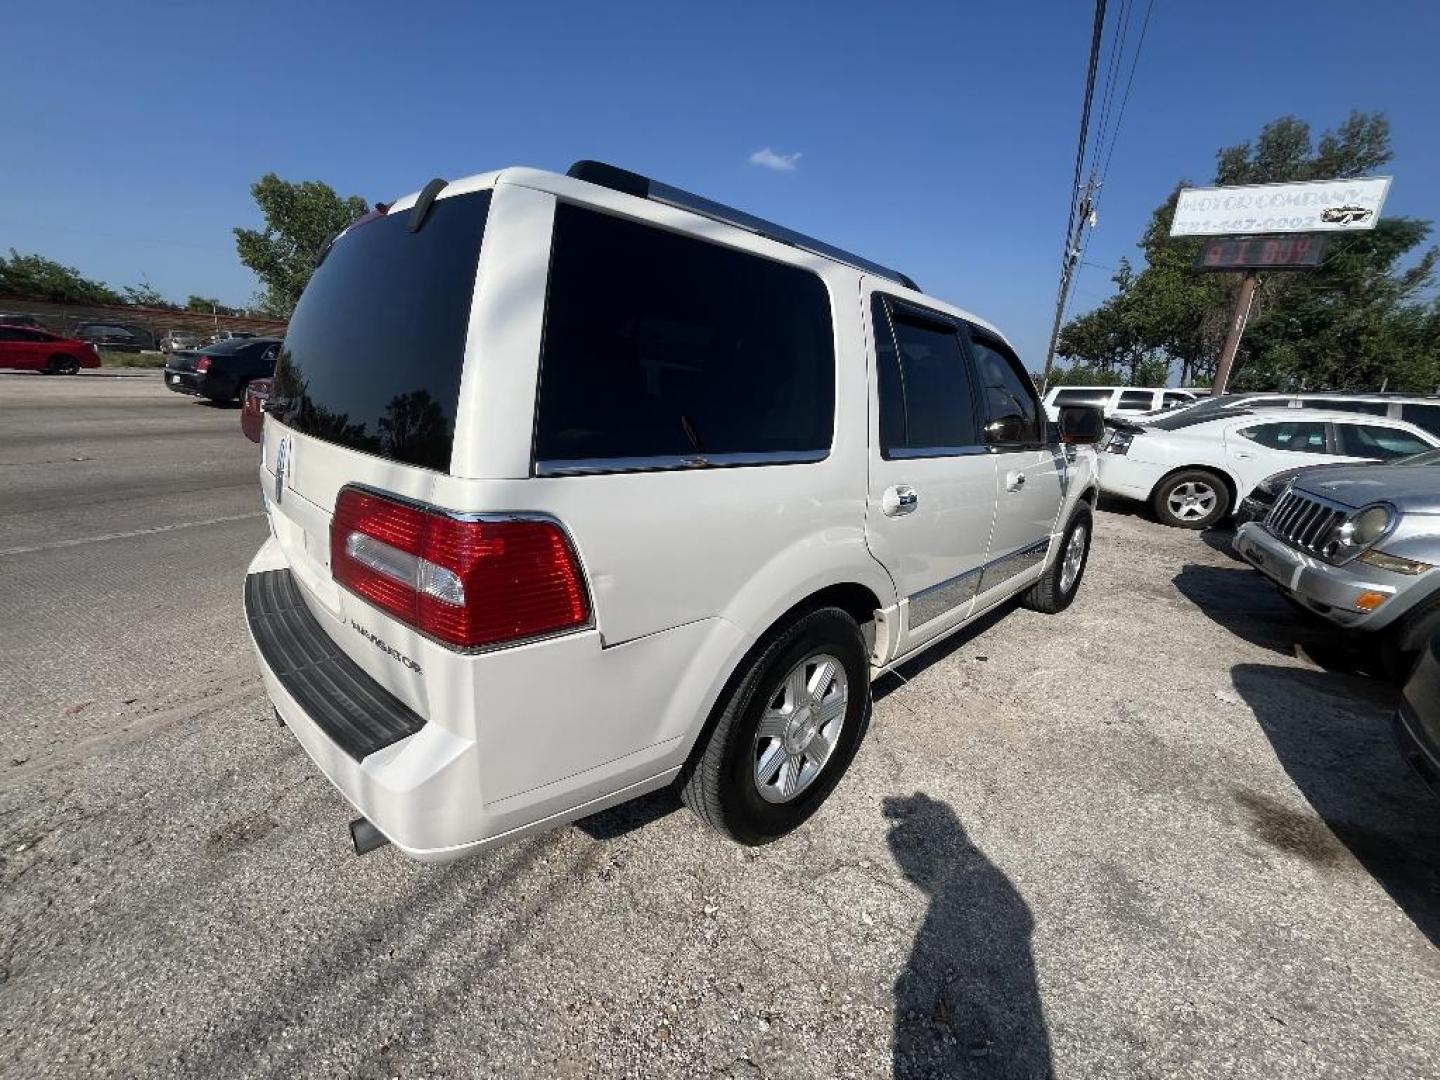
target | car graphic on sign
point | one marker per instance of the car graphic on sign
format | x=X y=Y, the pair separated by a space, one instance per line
x=1344 y=215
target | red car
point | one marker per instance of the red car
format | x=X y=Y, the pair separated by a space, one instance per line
x=29 y=349
x=252 y=413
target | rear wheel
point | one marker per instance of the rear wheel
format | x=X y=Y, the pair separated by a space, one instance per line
x=1192 y=499
x=786 y=732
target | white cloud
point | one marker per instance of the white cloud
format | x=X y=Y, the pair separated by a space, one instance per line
x=769 y=159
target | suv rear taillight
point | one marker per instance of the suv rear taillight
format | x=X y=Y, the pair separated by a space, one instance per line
x=466 y=582
x=203 y=364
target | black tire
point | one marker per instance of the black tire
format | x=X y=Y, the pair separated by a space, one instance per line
x=1204 y=485
x=239 y=398
x=1050 y=595
x=61 y=364
x=721 y=786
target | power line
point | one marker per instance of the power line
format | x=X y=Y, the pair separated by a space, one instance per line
x=1101 y=150
x=1125 y=98
x=1071 y=250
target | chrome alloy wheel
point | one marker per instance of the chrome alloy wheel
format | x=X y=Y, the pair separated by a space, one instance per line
x=1192 y=500
x=1074 y=558
x=800 y=727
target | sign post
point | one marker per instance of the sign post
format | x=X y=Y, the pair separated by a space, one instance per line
x=1271 y=227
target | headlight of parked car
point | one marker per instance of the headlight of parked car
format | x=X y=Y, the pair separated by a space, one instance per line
x=1361 y=529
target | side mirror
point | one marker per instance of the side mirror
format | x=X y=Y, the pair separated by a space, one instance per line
x=1007 y=429
x=1081 y=425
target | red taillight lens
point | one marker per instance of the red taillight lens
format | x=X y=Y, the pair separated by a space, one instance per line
x=467 y=583
x=203 y=364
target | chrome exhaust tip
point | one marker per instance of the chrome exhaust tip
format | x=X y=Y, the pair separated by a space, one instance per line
x=366 y=837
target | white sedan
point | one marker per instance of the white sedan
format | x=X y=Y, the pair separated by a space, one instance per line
x=1193 y=470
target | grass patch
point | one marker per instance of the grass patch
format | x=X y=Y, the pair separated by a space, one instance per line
x=130 y=359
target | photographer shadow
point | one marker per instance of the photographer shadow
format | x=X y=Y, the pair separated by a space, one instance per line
x=967 y=1002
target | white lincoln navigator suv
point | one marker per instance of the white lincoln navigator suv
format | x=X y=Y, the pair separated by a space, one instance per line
x=581 y=485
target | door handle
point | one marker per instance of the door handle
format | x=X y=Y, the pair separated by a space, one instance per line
x=898 y=500
x=1014 y=481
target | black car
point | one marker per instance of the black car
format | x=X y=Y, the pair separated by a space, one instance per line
x=221 y=371
x=1417 y=723
x=115 y=337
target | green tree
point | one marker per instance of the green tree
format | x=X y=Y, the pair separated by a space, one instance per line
x=1359 y=321
x=145 y=295
x=206 y=305
x=35 y=277
x=300 y=219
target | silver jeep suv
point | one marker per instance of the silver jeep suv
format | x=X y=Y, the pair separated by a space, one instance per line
x=1359 y=545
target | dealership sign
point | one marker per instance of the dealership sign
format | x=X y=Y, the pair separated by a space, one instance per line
x=1314 y=206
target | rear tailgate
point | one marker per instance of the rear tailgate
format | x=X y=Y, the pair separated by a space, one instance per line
x=365 y=394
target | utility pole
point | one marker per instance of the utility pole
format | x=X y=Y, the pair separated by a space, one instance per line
x=1238 y=318
x=1067 y=274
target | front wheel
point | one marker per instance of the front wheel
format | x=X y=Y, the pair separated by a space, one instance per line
x=786 y=732
x=1193 y=499
x=63 y=365
x=1061 y=581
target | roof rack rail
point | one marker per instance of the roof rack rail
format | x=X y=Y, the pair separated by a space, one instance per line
x=617 y=179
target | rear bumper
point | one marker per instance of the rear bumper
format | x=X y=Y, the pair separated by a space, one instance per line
x=196 y=384
x=622 y=717
x=1330 y=591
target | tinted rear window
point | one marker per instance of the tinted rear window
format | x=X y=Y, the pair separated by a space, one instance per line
x=373 y=354
x=928 y=378
x=1090 y=398
x=660 y=348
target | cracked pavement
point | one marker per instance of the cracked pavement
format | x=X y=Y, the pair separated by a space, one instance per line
x=1164 y=834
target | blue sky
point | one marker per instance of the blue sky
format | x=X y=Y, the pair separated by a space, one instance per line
x=938 y=138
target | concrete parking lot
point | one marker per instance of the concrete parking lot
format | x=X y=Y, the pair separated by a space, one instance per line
x=1163 y=834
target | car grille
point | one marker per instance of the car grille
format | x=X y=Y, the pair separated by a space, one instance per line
x=1303 y=521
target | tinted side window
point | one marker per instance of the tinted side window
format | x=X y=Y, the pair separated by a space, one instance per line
x=1009 y=393
x=1301 y=436
x=9 y=334
x=1139 y=400
x=933 y=380
x=1174 y=401
x=1374 y=408
x=1097 y=398
x=1377 y=443
x=1422 y=416
x=662 y=346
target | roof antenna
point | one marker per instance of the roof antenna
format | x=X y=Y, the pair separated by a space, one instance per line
x=426 y=199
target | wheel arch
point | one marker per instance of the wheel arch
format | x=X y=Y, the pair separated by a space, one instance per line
x=857 y=599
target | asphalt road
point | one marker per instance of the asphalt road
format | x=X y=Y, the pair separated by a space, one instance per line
x=1162 y=834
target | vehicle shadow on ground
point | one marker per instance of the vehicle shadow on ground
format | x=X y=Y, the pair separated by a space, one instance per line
x=1219 y=539
x=967 y=1002
x=1332 y=735
x=1248 y=606
x=629 y=816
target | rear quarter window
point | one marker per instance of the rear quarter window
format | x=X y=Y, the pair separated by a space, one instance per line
x=662 y=349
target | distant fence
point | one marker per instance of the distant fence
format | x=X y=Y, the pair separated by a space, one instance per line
x=64 y=318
